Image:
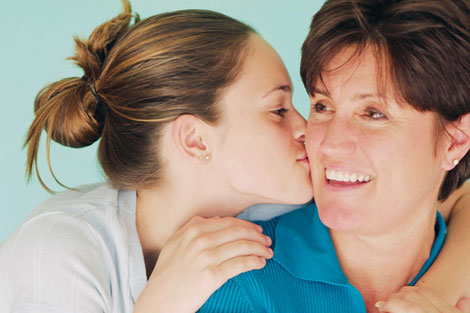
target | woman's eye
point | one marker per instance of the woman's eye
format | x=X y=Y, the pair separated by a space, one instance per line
x=375 y=115
x=280 y=112
x=320 y=107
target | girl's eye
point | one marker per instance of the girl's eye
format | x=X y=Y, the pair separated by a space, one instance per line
x=280 y=112
x=374 y=115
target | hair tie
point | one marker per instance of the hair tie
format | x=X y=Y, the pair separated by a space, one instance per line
x=100 y=111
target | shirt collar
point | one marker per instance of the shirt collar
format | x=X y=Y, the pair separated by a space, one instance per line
x=302 y=231
x=296 y=234
x=440 y=230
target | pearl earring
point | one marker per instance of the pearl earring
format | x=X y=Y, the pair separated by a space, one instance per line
x=455 y=162
x=206 y=157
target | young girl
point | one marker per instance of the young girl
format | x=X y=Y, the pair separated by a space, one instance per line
x=194 y=115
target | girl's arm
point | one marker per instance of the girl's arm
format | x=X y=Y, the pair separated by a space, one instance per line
x=449 y=276
x=447 y=282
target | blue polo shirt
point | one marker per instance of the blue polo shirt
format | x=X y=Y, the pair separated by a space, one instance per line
x=304 y=274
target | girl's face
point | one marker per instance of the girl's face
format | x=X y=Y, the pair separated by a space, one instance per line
x=375 y=163
x=261 y=147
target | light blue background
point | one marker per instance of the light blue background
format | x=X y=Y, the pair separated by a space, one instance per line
x=37 y=36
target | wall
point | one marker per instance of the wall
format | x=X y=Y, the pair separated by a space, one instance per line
x=36 y=38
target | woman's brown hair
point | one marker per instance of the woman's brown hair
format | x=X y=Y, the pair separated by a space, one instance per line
x=136 y=79
x=426 y=46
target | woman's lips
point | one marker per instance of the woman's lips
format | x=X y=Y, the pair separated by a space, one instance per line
x=341 y=179
x=347 y=176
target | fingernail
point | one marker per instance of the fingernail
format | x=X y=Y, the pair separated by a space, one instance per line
x=379 y=304
x=268 y=240
x=259 y=228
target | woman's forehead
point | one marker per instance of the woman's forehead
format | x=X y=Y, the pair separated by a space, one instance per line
x=368 y=68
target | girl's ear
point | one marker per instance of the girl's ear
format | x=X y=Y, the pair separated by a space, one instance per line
x=458 y=142
x=188 y=137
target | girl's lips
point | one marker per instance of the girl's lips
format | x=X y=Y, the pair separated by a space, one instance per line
x=304 y=162
x=304 y=159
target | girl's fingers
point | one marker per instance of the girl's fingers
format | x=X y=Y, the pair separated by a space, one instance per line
x=229 y=260
x=198 y=225
x=400 y=305
x=435 y=299
x=228 y=235
x=416 y=299
x=210 y=233
x=235 y=266
x=238 y=248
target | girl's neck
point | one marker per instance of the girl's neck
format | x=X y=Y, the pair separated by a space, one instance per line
x=380 y=265
x=160 y=212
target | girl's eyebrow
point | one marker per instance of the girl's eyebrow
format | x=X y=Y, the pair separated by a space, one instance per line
x=285 y=88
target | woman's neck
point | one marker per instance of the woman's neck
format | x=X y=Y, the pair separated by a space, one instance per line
x=380 y=265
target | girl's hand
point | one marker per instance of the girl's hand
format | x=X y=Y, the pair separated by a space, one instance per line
x=419 y=300
x=198 y=259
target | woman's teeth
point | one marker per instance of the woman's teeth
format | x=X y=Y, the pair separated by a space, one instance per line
x=347 y=176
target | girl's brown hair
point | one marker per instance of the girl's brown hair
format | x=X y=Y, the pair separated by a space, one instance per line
x=136 y=79
x=426 y=46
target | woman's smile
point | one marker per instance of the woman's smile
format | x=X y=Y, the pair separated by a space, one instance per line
x=346 y=178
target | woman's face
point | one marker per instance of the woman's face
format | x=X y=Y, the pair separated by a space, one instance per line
x=375 y=162
x=261 y=147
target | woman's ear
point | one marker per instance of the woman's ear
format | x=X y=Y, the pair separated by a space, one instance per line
x=458 y=133
x=188 y=137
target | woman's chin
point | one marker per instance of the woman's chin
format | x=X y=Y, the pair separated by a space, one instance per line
x=340 y=218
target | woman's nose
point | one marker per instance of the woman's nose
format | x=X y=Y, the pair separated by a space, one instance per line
x=338 y=139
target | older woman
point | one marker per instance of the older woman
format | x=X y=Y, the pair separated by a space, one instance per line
x=387 y=138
